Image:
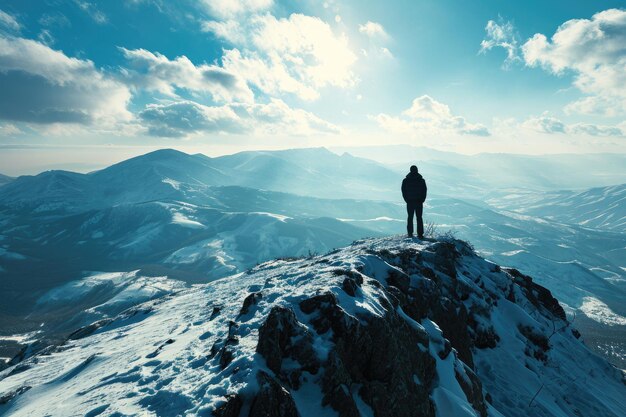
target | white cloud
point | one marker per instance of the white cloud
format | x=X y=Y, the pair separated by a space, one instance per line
x=155 y=72
x=298 y=55
x=229 y=30
x=596 y=130
x=42 y=85
x=9 y=129
x=185 y=118
x=9 y=22
x=277 y=118
x=373 y=30
x=93 y=11
x=549 y=125
x=232 y=8
x=428 y=116
x=594 y=50
x=501 y=35
x=544 y=124
x=270 y=73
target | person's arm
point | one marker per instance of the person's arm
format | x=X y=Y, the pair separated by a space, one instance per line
x=425 y=191
x=403 y=188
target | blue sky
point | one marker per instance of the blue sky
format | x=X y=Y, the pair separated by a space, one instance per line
x=123 y=76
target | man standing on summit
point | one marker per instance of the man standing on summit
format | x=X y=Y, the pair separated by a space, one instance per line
x=414 y=194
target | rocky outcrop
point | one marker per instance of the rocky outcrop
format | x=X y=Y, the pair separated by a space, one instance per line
x=282 y=336
x=272 y=399
x=386 y=327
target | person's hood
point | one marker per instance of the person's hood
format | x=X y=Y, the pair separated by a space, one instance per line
x=414 y=175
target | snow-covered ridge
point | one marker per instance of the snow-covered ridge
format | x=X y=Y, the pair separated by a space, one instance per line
x=384 y=327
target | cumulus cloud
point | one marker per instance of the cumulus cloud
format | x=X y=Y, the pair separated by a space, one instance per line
x=594 y=50
x=501 y=34
x=596 y=130
x=155 y=72
x=550 y=125
x=373 y=30
x=184 y=118
x=41 y=85
x=229 y=30
x=429 y=116
x=9 y=22
x=232 y=8
x=298 y=55
x=544 y=124
x=276 y=118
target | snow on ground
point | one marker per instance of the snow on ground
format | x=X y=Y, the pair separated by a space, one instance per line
x=278 y=217
x=75 y=290
x=600 y=312
x=182 y=220
x=156 y=358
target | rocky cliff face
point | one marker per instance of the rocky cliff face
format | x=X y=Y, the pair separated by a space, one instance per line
x=385 y=327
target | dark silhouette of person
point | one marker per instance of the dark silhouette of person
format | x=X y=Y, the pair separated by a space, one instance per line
x=414 y=194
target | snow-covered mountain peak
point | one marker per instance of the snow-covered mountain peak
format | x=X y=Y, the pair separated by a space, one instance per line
x=384 y=327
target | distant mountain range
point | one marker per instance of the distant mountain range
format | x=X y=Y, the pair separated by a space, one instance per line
x=599 y=208
x=461 y=175
x=5 y=179
x=194 y=219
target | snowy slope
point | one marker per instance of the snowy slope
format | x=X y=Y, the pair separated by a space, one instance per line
x=385 y=327
x=602 y=207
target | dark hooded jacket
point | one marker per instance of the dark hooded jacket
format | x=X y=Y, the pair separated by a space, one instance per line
x=414 y=188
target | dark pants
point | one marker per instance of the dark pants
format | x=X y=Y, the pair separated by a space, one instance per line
x=415 y=207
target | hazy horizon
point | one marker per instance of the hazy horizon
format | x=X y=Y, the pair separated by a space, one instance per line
x=17 y=160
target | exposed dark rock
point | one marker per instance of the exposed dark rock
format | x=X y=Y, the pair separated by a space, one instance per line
x=399 y=280
x=4 y=399
x=272 y=399
x=486 y=338
x=232 y=337
x=428 y=273
x=337 y=394
x=452 y=319
x=473 y=389
x=216 y=311
x=230 y=408
x=89 y=329
x=282 y=336
x=447 y=348
x=350 y=286
x=226 y=356
x=382 y=357
x=445 y=257
x=538 y=339
x=317 y=302
x=158 y=349
x=539 y=296
x=326 y=311
x=251 y=300
x=356 y=276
